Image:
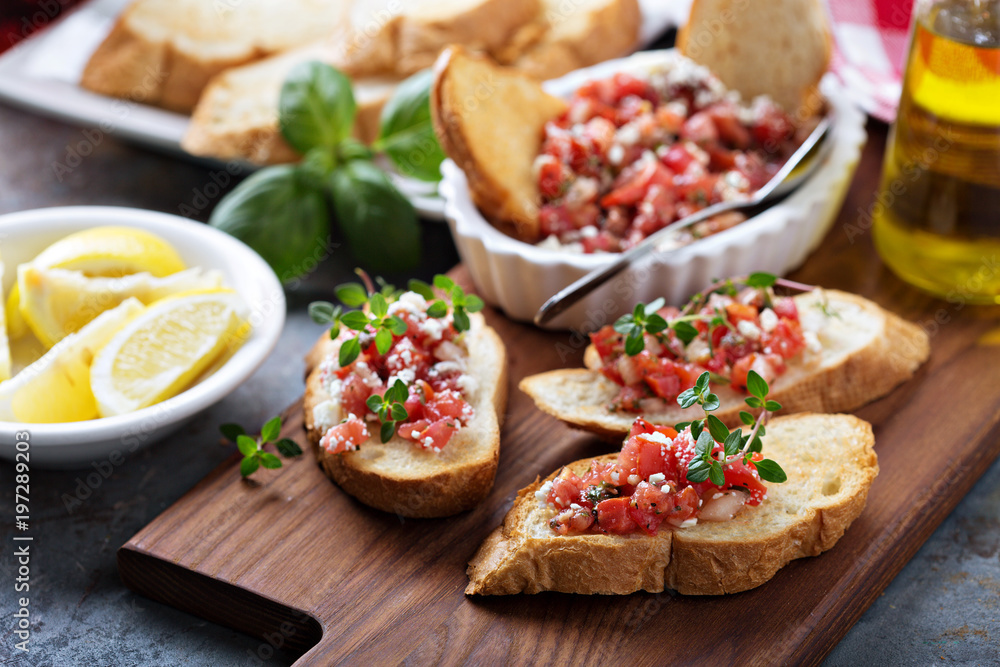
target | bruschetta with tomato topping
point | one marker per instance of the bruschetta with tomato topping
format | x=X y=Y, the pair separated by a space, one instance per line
x=821 y=350
x=637 y=521
x=405 y=397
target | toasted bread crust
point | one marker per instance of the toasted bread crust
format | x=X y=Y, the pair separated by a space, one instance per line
x=471 y=99
x=707 y=559
x=889 y=358
x=454 y=486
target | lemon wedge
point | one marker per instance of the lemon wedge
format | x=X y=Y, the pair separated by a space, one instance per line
x=56 y=388
x=100 y=251
x=4 y=342
x=57 y=302
x=159 y=353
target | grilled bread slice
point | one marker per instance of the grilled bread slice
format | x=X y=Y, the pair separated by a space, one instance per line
x=830 y=461
x=164 y=52
x=237 y=117
x=401 y=478
x=472 y=100
x=779 y=48
x=865 y=352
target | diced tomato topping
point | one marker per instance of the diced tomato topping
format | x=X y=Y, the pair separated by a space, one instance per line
x=738 y=312
x=786 y=339
x=744 y=476
x=353 y=396
x=684 y=507
x=345 y=436
x=566 y=489
x=613 y=516
x=552 y=180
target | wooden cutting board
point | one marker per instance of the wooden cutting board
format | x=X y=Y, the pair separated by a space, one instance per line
x=293 y=560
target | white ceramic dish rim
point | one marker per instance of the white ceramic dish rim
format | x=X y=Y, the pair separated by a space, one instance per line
x=211 y=389
x=468 y=220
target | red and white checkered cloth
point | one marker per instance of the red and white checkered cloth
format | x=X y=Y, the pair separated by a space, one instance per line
x=870 y=51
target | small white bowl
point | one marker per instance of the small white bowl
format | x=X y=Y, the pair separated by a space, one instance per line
x=519 y=277
x=80 y=444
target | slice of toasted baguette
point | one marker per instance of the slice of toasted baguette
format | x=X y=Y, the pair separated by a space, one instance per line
x=164 y=52
x=866 y=351
x=237 y=117
x=567 y=36
x=830 y=461
x=401 y=478
x=779 y=48
x=387 y=37
x=489 y=119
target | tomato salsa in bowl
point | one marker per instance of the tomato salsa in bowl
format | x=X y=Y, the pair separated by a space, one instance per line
x=518 y=276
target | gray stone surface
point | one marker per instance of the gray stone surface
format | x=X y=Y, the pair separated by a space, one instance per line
x=943 y=607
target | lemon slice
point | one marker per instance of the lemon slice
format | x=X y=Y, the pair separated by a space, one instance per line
x=56 y=388
x=160 y=353
x=4 y=342
x=100 y=251
x=57 y=302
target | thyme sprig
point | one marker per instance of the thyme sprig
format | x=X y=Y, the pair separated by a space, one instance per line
x=253 y=449
x=390 y=408
x=736 y=445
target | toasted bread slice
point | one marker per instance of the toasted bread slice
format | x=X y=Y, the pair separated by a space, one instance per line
x=779 y=48
x=237 y=117
x=164 y=52
x=471 y=104
x=399 y=477
x=830 y=461
x=384 y=37
x=866 y=351
x=568 y=36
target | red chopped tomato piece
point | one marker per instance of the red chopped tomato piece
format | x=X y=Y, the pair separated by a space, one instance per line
x=437 y=435
x=666 y=387
x=607 y=341
x=644 y=457
x=729 y=127
x=785 y=340
x=649 y=506
x=784 y=306
x=353 y=396
x=768 y=366
x=552 y=179
x=345 y=436
x=677 y=159
x=740 y=311
x=700 y=129
x=572 y=521
x=684 y=507
x=641 y=425
x=554 y=219
x=605 y=241
x=629 y=397
x=771 y=128
x=613 y=516
x=566 y=489
x=411 y=430
x=744 y=476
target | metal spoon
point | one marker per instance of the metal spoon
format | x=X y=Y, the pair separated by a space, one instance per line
x=779 y=186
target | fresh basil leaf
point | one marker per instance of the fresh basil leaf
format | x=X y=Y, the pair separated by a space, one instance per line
x=387 y=430
x=473 y=303
x=717 y=428
x=461 y=320
x=246 y=445
x=685 y=331
x=421 y=288
x=756 y=385
x=351 y=295
x=355 y=320
x=716 y=475
x=232 y=431
x=437 y=309
x=383 y=341
x=249 y=465
x=770 y=471
x=760 y=279
x=349 y=351
x=321 y=312
x=269 y=460
x=271 y=430
x=655 y=323
x=733 y=443
x=288 y=447
x=274 y=212
x=316 y=107
x=377 y=220
x=698 y=471
x=747 y=418
x=406 y=132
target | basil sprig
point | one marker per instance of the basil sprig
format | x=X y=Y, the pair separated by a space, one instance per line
x=282 y=211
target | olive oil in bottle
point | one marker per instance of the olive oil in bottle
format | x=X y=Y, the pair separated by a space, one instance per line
x=937 y=212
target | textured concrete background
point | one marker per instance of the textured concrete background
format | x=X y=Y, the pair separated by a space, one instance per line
x=942 y=608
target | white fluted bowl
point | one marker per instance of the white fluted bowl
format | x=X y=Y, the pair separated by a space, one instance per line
x=519 y=277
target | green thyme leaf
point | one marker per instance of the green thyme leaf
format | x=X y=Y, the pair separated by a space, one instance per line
x=355 y=320
x=246 y=445
x=383 y=341
x=733 y=443
x=397 y=325
x=704 y=445
x=756 y=385
x=754 y=402
x=288 y=448
x=323 y=312
x=717 y=428
x=269 y=460
x=702 y=383
x=249 y=465
x=716 y=475
x=473 y=303
x=747 y=418
x=685 y=331
x=387 y=430
x=352 y=295
x=655 y=324
x=634 y=345
x=461 y=320
x=349 y=351
x=421 y=288
x=231 y=431
x=772 y=406
x=443 y=282
x=437 y=309
x=761 y=279
x=770 y=471
x=698 y=471
x=271 y=429
x=711 y=403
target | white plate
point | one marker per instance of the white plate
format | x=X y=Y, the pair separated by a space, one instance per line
x=519 y=277
x=42 y=74
x=77 y=444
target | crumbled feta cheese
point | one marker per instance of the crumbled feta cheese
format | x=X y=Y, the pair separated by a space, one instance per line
x=616 y=154
x=697 y=350
x=768 y=320
x=689 y=522
x=326 y=414
x=657 y=479
x=367 y=375
x=812 y=342
x=628 y=134
x=542 y=494
x=582 y=191
x=656 y=437
x=589 y=232
x=407 y=375
x=634 y=479
x=448 y=351
x=748 y=330
x=614 y=477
